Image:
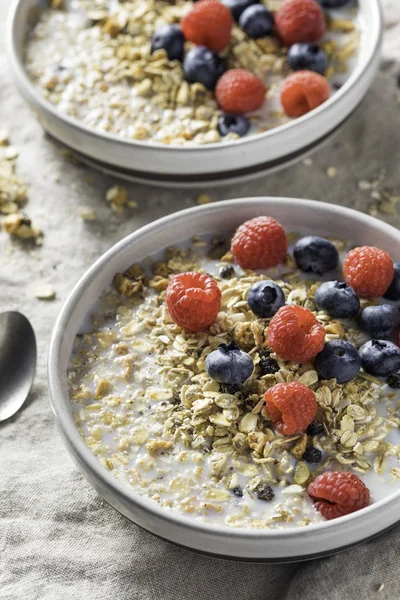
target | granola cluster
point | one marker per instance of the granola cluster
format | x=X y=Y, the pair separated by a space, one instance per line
x=93 y=61
x=13 y=195
x=147 y=407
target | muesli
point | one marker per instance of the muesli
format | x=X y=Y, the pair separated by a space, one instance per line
x=187 y=73
x=250 y=384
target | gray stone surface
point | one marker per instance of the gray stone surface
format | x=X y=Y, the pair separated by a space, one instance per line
x=57 y=537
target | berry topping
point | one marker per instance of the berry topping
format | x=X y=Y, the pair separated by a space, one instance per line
x=226 y=272
x=209 y=24
x=193 y=300
x=257 y=21
x=393 y=381
x=265 y=298
x=337 y=299
x=268 y=365
x=303 y=91
x=380 y=358
x=312 y=455
x=300 y=21
x=238 y=6
x=233 y=124
x=230 y=365
x=204 y=66
x=338 y=360
x=333 y=3
x=169 y=38
x=295 y=334
x=238 y=92
x=393 y=291
x=259 y=244
x=315 y=254
x=379 y=321
x=337 y=493
x=315 y=428
x=369 y=271
x=291 y=407
x=264 y=492
x=308 y=57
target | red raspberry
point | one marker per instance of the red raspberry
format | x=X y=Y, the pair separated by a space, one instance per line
x=209 y=24
x=193 y=300
x=295 y=334
x=300 y=21
x=369 y=271
x=238 y=92
x=259 y=244
x=338 y=493
x=303 y=91
x=291 y=407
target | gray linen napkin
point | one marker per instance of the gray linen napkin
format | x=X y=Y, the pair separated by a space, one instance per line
x=58 y=539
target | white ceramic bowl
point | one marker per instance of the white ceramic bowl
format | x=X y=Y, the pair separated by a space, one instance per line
x=156 y=163
x=272 y=545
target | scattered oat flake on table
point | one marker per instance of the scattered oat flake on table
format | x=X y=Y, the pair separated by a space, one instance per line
x=86 y=213
x=386 y=202
x=331 y=172
x=118 y=198
x=45 y=292
x=21 y=226
x=12 y=191
x=364 y=185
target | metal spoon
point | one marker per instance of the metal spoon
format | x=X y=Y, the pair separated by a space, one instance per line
x=17 y=362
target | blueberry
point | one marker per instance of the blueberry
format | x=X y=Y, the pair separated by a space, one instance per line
x=228 y=364
x=338 y=299
x=307 y=56
x=333 y=3
x=203 y=66
x=380 y=358
x=257 y=21
x=315 y=254
x=233 y=124
x=169 y=38
x=265 y=298
x=237 y=491
x=268 y=365
x=238 y=6
x=312 y=455
x=226 y=272
x=379 y=321
x=338 y=360
x=315 y=428
x=393 y=292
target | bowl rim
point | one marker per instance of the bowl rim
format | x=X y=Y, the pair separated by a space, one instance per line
x=60 y=401
x=294 y=126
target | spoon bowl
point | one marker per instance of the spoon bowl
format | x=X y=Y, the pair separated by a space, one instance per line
x=17 y=362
